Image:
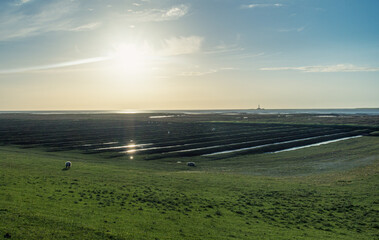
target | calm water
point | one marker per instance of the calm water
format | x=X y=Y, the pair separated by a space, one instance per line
x=356 y=111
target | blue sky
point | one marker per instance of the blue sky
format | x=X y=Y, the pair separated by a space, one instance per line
x=145 y=54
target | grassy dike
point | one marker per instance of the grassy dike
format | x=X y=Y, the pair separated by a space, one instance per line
x=245 y=197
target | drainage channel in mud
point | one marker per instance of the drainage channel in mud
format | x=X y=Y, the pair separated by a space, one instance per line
x=278 y=143
x=316 y=144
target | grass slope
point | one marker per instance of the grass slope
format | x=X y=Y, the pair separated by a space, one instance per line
x=104 y=198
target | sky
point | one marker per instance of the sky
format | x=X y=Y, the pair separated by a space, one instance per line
x=198 y=54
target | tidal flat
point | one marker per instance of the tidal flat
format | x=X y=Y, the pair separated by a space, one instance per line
x=321 y=192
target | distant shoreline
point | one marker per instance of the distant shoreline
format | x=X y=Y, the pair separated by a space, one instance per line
x=330 y=111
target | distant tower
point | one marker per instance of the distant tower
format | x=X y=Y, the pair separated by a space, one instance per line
x=259 y=107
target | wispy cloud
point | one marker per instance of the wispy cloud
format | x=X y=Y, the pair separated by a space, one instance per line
x=22 y=2
x=226 y=48
x=223 y=48
x=55 y=65
x=181 y=45
x=205 y=72
x=249 y=55
x=170 y=48
x=16 y=23
x=27 y=18
x=325 y=68
x=86 y=27
x=299 y=29
x=176 y=12
x=158 y=15
x=262 y=5
x=232 y=51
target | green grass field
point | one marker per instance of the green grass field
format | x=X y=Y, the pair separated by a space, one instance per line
x=325 y=192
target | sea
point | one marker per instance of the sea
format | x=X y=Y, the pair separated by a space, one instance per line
x=337 y=111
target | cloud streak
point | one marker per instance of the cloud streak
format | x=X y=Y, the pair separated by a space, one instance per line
x=56 y=65
x=18 y=22
x=225 y=49
x=202 y=73
x=262 y=5
x=158 y=15
x=181 y=45
x=22 y=2
x=86 y=27
x=325 y=68
x=299 y=29
x=28 y=18
x=171 y=47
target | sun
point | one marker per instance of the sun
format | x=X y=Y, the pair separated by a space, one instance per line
x=131 y=59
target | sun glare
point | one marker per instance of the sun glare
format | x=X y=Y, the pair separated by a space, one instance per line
x=130 y=59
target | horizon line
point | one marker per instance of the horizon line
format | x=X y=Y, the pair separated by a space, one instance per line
x=192 y=109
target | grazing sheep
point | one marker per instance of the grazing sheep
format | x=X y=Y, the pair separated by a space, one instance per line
x=191 y=164
x=68 y=164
